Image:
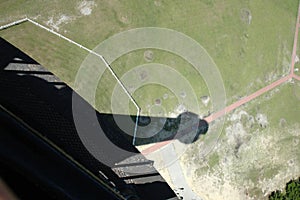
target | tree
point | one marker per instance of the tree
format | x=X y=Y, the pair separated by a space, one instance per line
x=292 y=191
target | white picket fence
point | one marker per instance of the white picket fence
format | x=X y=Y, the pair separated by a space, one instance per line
x=90 y=51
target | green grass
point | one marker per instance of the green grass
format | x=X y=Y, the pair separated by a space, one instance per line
x=271 y=171
x=296 y=89
x=213 y=160
x=284 y=104
x=245 y=54
x=57 y=55
x=147 y=94
x=249 y=56
x=201 y=171
x=147 y=100
x=64 y=60
x=253 y=174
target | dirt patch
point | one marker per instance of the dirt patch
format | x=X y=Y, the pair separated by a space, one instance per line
x=157 y=3
x=148 y=55
x=55 y=22
x=261 y=120
x=181 y=108
x=124 y=19
x=295 y=142
x=246 y=16
x=282 y=123
x=172 y=115
x=143 y=75
x=157 y=101
x=131 y=88
x=296 y=59
x=237 y=136
x=86 y=7
x=165 y=96
x=205 y=100
x=182 y=94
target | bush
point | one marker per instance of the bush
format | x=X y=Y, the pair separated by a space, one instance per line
x=292 y=191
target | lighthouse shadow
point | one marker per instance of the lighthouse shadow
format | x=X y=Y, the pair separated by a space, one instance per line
x=186 y=127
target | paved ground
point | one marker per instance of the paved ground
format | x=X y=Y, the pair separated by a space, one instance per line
x=181 y=187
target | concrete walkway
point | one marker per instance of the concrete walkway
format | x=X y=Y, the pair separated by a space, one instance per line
x=179 y=182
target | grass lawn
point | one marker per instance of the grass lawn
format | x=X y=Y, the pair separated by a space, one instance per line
x=135 y=64
x=56 y=54
x=250 y=45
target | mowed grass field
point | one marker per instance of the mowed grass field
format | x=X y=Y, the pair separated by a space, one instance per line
x=64 y=60
x=250 y=42
x=147 y=95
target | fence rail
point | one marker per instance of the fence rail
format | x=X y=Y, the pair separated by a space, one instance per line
x=13 y=23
